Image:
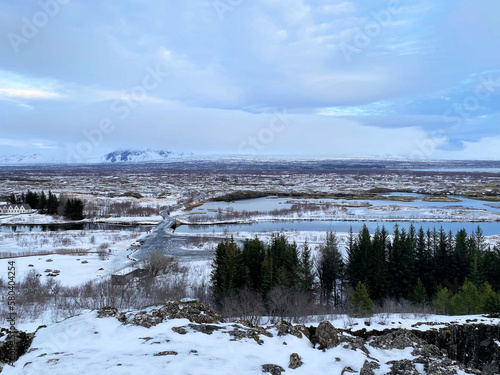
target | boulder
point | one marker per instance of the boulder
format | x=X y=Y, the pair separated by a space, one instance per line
x=15 y=345
x=295 y=361
x=272 y=369
x=327 y=335
x=369 y=367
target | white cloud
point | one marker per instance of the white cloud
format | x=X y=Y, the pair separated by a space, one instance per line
x=29 y=94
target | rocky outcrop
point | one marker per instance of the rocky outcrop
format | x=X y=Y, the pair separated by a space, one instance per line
x=272 y=369
x=369 y=367
x=327 y=335
x=474 y=345
x=286 y=328
x=15 y=345
x=472 y=348
x=194 y=311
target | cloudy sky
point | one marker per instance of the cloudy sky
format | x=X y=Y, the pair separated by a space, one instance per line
x=305 y=77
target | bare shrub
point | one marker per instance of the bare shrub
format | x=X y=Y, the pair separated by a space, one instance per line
x=287 y=303
x=102 y=251
x=157 y=263
x=247 y=305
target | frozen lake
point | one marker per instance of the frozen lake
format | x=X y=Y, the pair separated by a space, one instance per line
x=462 y=214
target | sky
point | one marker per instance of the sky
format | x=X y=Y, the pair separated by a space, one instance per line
x=417 y=79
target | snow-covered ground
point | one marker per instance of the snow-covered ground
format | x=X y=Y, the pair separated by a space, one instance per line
x=86 y=344
x=74 y=253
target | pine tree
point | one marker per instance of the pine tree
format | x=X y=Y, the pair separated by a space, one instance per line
x=467 y=301
x=32 y=199
x=12 y=199
x=442 y=301
x=306 y=269
x=42 y=203
x=490 y=301
x=418 y=295
x=73 y=209
x=361 y=304
x=52 y=204
x=254 y=253
x=228 y=271
x=329 y=267
x=378 y=283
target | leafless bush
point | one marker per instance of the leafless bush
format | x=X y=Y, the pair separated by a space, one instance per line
x=157 y=263
x=246 y=305
x=109 y=208
x=289 y=304
x=405 y=308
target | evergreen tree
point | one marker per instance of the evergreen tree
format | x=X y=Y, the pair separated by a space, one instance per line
x=378 y=282
x=284 y=259
x=442 y=301
x=467 y=301
x=418 y=295
x=329 y=267
x=490 y=301
x=491 y=267
x=360 y=258
x=228 y=271
x=361 y=304
x=42 y=203
x=254 y=253
x=423 y=261
x=401 y=263
x=73 y=209
x=52 y=204
x=32 y=199
x=12 y=199
x=306 y=269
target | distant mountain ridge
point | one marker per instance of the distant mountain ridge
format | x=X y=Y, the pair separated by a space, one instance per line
x=22 y=159
x=136 y=156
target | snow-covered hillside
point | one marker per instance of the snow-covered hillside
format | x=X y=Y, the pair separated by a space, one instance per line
x=24 y=159
x=140 y=156
x=188 y=338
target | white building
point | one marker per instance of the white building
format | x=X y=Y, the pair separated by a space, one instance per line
x=15 y=209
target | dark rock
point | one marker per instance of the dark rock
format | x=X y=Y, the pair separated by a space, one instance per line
x=472 y=345
x=295 y=361
x=272 y=369
x=347 y=369
x=403 y=367
x=179 y=330
x=396 y=340
x=327 y=335
x=285 y=328
x=207 y=329
x=15 y=345
x=194 y=311
x=368 y=368
x=353 y=343
x=145 y=320
x=107 y=312
x=166 y=352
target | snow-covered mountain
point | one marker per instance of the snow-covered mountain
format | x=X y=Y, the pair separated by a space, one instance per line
x=118 y=156
x=136 y=156
x=23 y=159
